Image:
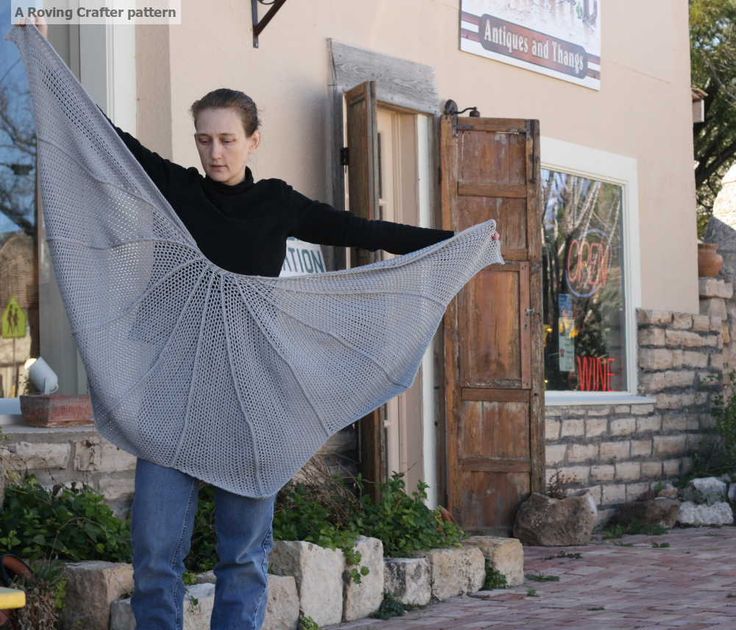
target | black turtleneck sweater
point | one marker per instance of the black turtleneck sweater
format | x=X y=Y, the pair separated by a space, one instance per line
x=243 y=228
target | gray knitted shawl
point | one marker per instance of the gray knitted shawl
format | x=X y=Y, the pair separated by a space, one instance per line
x=234 y=379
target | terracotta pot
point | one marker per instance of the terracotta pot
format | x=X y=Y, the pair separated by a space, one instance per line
x=710 y=262
x=53 y=410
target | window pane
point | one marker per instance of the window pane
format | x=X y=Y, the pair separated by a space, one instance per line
x=18 y=277
x=584 y=323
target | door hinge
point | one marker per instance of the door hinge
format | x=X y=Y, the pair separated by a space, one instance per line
x=344 y=156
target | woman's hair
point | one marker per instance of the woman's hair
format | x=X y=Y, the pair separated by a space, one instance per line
x=224 y=97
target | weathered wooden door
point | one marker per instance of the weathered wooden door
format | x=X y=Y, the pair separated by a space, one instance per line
x=362 y=141
x=494 y=393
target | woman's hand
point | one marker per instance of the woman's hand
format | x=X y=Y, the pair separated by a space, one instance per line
x=496 y=236
x=40 y=23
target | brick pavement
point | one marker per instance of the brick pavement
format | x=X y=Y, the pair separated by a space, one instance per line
x=623 y=584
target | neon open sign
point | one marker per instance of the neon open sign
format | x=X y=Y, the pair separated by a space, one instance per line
x=587 y=264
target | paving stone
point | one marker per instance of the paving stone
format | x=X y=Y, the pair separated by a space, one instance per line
x=610 y=587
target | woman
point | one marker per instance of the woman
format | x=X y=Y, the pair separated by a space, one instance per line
x=241 y=225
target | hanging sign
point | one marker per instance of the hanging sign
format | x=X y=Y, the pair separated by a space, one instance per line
x=561 y=39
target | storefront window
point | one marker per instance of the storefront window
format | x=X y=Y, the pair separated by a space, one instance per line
x=584 y=314
x=19 y=337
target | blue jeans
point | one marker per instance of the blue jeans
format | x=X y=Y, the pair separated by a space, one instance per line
x=163 y=511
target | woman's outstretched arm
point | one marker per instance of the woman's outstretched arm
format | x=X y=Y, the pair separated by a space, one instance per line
x=317 y=222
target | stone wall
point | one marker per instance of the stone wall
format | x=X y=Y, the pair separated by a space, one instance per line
x=66 y=454
x=619 y=451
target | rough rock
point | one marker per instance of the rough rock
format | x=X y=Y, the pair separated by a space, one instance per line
x=706 y=490
x=716 y=514
x=542 y=520
x=506 y=555
x=409 y=580
x=92 y=587
x=362 y=599
x=318 y=574
x=660 y=511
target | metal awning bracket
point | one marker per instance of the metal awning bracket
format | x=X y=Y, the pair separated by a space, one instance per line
x=259 y=26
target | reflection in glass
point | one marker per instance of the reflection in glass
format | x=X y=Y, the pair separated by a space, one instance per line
x=584 y=323
x=18 y=263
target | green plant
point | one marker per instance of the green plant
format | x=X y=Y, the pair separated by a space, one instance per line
x=45 y=595
x=531 y=592
x=566 y=554
x=633 y=527
x=403 y=522
x=189 y=578
x=663 y=545
x=494 y=578
x=300 y=515
x=62 y=523
x=306 y=622
x=719 y=455
x=391 y=607
x=538 y=577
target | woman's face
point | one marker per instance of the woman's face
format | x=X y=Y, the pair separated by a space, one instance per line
x=222 y=144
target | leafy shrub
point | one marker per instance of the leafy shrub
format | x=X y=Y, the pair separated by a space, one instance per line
x=403 y=522
x=73 y=524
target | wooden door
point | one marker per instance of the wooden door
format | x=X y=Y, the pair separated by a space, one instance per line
x=493 y=329
x=362 y=151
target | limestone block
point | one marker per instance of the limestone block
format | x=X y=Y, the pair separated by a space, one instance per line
x=595 y=427
x=91 y=588
x=628 y=471
x=96 y=454
x=623 y=426
x=714 y=287
x=649 y=316
x=198 y=602
x=506 y=555
x=318 y=574
x=656 y=359
x=360 y=600
x=31 y=456
x=715 y=514
x=409 y=580
x=282 y=611
x=456 y=570
x=573 y=428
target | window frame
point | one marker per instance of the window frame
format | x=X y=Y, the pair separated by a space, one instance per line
x=584 y=161
x=103 y=59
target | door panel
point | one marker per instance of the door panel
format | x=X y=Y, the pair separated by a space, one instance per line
x=493 y=336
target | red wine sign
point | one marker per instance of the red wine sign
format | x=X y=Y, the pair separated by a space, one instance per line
x=595 y=373
x=588 y=262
